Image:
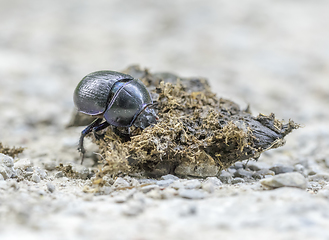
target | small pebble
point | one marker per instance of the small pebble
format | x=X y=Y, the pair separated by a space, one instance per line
x=120 y=183
x=4 y=172
x=237 y=180
x=147 y=181
x=42 y=173
x=50 y=187
x=50 y=165
x=242 y=173
x=7 y=172
x=19 y=173
x=134 y=182
x=81 y=171
x=257 y=176
x=292 y=179
x=107 y=180
x=35 y=178
x=225 y=176
x=192 y=184
x=165 y=183
x=301 y=169
x=148 y=188
x=238 y=165
x=6 y=160
x=319 y=177
x=169 y=176
x=29 y=169
x=6 y=166
x=214 y=180
x=26 y=174
x=191 y=194
x=262 y=173
x=257 y=166
x=280 y=168
x=59 y=174
x=23 y=163
x=231 y=170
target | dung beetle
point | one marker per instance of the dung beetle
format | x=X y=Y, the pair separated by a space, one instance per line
x=119 y=98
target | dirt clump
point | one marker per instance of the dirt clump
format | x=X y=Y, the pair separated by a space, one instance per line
x=13 y=152
x=198 y=134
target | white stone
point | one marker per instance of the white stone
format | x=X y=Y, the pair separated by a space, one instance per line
x=6 y=160
x=35 y=178
x=292 y=179
x=192 y=184
x=23 y=163
x=120 y=183
x=191 y=194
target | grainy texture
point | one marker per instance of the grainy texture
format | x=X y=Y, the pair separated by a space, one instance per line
x=271 y=55
x=197 y=134
x=10 y=151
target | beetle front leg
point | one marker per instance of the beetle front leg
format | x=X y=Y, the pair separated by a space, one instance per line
x=98 y=128
x=84 y=132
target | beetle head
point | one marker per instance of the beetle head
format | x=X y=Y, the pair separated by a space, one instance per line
x=146 y=118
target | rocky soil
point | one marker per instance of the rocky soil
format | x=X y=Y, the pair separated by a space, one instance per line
x=272 y=55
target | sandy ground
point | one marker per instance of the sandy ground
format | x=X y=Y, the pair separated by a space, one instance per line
x=272 y=55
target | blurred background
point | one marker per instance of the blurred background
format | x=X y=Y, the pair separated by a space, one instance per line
x=273 y=55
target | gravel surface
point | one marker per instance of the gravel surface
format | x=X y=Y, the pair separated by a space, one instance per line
x=272 y=55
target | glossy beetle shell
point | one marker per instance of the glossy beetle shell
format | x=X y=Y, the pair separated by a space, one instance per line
x=91 y=94
x=118 y=97
x=127 y=103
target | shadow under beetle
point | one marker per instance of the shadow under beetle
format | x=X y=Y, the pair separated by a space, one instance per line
x=119 y=98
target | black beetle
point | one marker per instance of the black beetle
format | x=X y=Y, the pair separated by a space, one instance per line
x=119 y=98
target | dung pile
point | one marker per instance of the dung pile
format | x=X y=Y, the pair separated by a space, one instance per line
x=198 y=134
x=10 y=151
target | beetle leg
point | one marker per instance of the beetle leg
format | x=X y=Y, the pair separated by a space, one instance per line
x=245 y=166
x=84 y=132
x=98 y=128
x=124 y=135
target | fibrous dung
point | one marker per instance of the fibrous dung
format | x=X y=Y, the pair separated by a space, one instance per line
x=198 y=134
